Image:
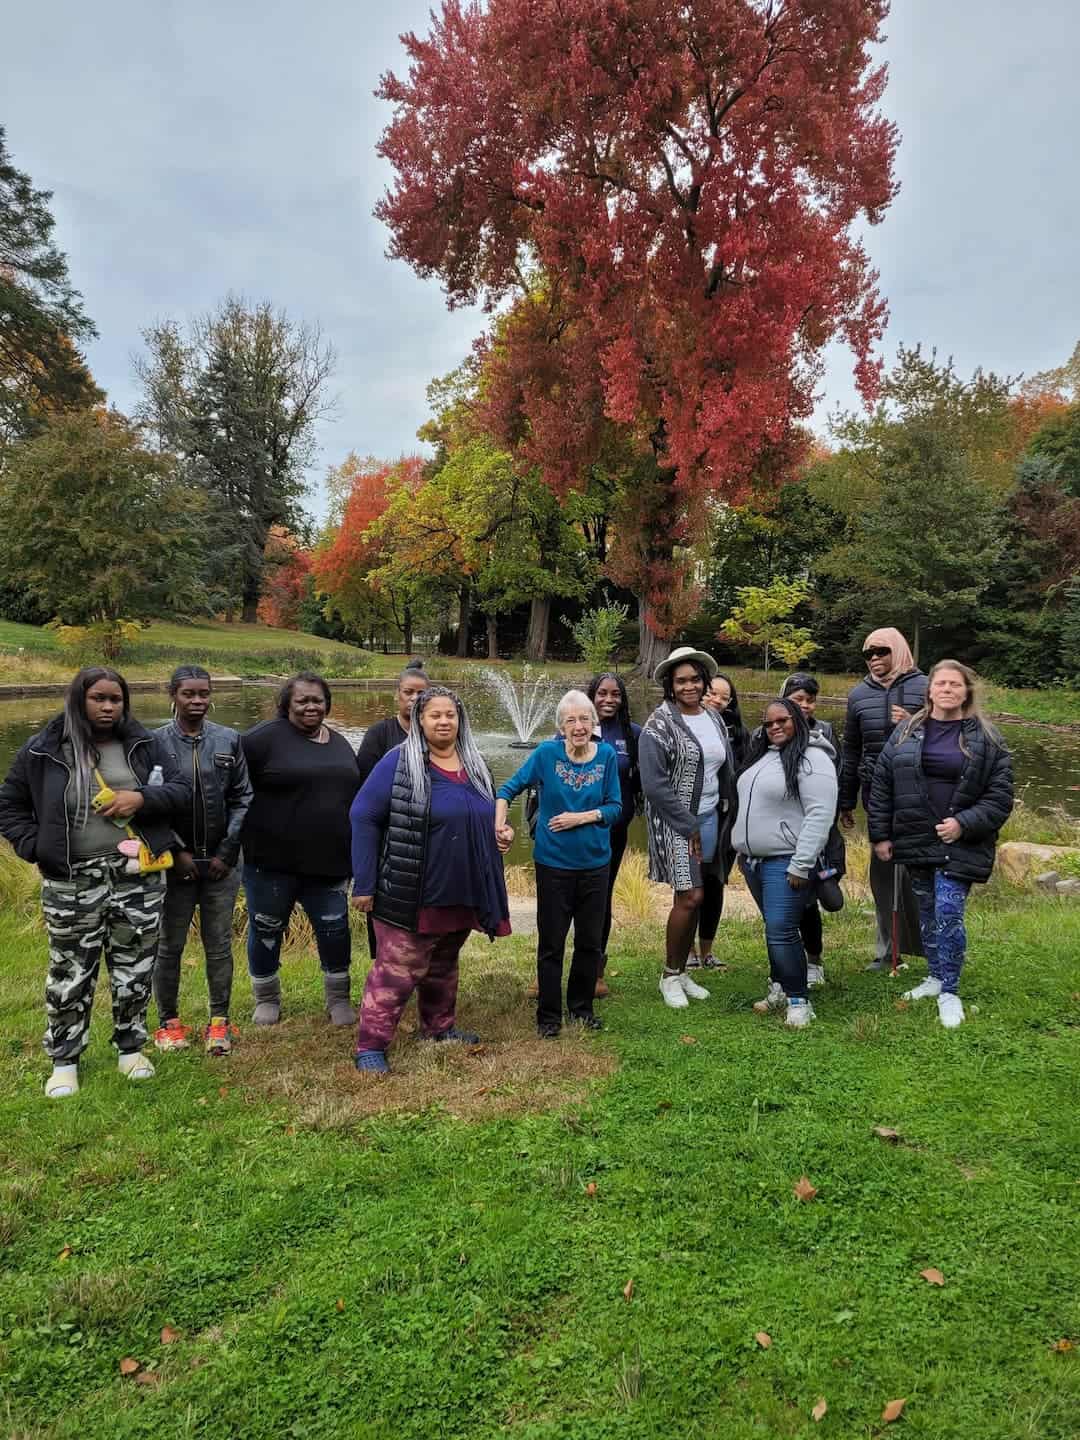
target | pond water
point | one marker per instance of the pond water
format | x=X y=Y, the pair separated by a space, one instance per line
x=1047 y=761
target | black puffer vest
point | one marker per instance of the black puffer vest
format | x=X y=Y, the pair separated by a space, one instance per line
x=400 y=886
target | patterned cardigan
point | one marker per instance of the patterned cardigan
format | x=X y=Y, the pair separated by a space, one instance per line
x=672 y=775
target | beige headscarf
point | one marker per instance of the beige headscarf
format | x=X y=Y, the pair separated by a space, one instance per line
x=902 y=658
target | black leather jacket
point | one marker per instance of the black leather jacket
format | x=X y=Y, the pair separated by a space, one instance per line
x=33 y=808
x=217 y=757
x=900 y=808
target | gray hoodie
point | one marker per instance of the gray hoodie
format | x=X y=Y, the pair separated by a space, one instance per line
x=769 y=823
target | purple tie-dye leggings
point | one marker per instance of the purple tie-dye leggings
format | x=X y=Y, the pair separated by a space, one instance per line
x=406 y=961
x=941 y=900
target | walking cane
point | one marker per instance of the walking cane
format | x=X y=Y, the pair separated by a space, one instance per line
x=895 y=918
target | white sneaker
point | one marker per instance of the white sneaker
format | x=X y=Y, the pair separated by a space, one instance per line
x=773 y=1000
x=929 y=989
x=815 y=974
x=63 y=1081
x=135 y=1066
x=671 y=988
x=949 y=1009
x=691 y=989
x=799 y=1014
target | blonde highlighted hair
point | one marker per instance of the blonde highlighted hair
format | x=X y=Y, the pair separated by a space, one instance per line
x=972 y=708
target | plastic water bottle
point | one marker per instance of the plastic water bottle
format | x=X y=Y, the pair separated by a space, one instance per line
x=157 y=776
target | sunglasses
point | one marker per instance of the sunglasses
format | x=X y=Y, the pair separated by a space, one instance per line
x=877 y=652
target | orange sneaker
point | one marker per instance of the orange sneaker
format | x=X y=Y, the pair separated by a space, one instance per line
x=172 y=1035
x=218 y=1036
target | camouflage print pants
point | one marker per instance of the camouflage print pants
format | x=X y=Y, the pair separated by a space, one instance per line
x=100 y=908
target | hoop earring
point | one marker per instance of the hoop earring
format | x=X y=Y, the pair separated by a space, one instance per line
x=211 y=706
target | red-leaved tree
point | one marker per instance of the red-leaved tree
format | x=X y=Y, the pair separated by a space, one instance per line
x=670 y=187
x=285 y=580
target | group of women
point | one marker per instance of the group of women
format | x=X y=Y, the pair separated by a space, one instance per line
x=133 y=831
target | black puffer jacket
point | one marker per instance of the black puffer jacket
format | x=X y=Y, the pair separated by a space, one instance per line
x=400 y=887
x=33 y=808
x=869 y=724
x=900 y=808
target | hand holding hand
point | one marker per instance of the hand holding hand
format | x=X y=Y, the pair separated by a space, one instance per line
x=217 y=869
x=949 y=830
x=883 y=849
x=504 y=837
x=123 y=804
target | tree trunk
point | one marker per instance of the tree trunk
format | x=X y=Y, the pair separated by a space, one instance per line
x=464 y=614
x=493 y=637
x=406 y=629
x=915 y=643
x=536 y=641
x=652 y=648
x=250 y=613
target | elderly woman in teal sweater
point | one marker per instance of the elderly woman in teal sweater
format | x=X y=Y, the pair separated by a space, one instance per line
x=577 y=782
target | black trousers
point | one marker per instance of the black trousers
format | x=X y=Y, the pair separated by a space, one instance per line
x=618 y=849
x=810 y=929
x=565 y=897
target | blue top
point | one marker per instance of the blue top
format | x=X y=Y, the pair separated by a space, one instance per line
x=561 y=784
x=942 y=762
x=611 y=732
x=463 y=866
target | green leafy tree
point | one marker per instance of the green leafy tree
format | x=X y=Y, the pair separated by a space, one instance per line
x=237 y=400
x=41 y=314
x=598 y=634
x=924 y=554
x=97 y=527
x=1059 y=441
x=762 y=618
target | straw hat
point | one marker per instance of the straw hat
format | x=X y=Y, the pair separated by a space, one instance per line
x=677 y=657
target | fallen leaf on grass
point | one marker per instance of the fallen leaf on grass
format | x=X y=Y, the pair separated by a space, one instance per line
x=476 y=1050
x=223 y=1091
x=688 y=1039
x=893 y=1410
x=763 y=1338
x=617 y=973
x=901 y=1005
x=628 y=1291
x=147 y=1377
x=803 y=1190
x=340 y=1306
x=590 y=1188
x=169 y=1336
x=1063 y=1346
x=201 y=1100
x=886 y=1133
x=65 y=1253
x=820 y=1409
x=932 y=1276
x=128 y=1366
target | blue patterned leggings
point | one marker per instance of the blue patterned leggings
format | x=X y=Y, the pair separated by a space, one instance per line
x=941 y=900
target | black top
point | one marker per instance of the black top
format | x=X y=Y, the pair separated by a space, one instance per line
x=869 y=724
x=299 y=819
x=942 y=762
x=379 y=739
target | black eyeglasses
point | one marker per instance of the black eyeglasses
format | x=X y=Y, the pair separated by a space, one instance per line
x=877 y=652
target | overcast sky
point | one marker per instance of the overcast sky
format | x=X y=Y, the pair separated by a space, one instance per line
x=221 y=145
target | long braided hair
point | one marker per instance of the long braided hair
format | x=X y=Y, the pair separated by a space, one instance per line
x=416 y=755
x=792 y=754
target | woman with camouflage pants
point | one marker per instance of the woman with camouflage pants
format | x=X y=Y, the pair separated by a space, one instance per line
x=51 y=814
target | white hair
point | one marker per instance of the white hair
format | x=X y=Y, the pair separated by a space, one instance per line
x=576 y=699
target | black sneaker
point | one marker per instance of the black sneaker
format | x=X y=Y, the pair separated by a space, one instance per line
x=693 y=962
x=549 y=1032
x=587 y=1022
x=461 y=1037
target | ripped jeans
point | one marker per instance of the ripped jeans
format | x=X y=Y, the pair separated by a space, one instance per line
x=271 y=896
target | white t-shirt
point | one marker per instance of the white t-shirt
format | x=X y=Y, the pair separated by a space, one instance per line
x=704 y=731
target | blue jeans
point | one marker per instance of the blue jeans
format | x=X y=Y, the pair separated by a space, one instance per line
x=941 y=919
x=781 y=907
x=709 y=830
x=271 y=896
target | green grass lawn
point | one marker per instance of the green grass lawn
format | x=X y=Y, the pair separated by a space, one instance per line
x=424 y=1257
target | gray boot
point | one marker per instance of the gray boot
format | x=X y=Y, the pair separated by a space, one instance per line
x=267 y=1000
x=336 y=990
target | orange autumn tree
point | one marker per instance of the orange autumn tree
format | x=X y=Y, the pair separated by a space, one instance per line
x=288 y=568
x=344 y=566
